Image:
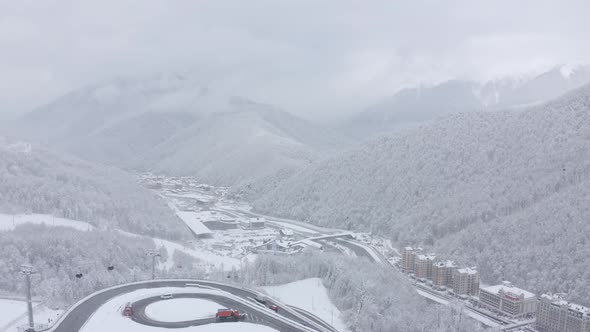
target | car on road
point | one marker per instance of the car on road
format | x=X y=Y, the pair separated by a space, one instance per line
x=274 y=308
x=261 y=298
x=166 y=296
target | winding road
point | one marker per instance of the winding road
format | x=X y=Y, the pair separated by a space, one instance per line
x=286 y=320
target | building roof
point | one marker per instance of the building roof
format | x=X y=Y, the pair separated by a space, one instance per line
x=429 y=257
x=449 y=264
x=468 y=270
x=560 y=301
x=510 y=289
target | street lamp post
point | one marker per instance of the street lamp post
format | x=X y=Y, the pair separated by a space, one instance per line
x=153 y=254
x=27 y=271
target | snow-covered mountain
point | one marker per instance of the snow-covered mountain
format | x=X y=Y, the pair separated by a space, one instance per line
x=175 y=125
x=505 y=190
x=412 y=106
x=36 y=180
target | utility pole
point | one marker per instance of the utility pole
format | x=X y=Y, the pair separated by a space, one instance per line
x=153 y=254
x=27 y=271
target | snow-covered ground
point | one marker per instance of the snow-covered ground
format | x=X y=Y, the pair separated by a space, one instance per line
x=109 y=318
x=10 y=221
x=14 y=314
x=309 y=295
x=180 y=310
x=209 y=258
x=11 y=310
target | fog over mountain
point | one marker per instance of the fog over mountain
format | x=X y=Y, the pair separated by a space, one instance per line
x=174 y=125
x=172 y=165
x=412 y=106
x=503 y=190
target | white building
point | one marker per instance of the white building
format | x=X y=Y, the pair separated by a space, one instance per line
x=556 y=314
x=466 y=281
x=253 y=223
x=508 y=299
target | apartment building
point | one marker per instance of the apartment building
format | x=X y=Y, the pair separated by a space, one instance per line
x=466 y=281
x=409 y=258
x=442 y=273
x=508 y=299
x=423 y=266
x=556 y=314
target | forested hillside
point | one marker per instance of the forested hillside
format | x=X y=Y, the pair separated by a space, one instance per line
x=176 y=125
x=411 y=106
x=492 y=188
x=36 y=180
x=370 y=298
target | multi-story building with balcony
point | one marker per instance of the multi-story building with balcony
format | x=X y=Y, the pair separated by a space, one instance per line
x=423 y=266
x=556 y=314
x=466 y=281
x=442 y=273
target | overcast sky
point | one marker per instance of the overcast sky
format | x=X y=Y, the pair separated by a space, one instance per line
x=306 y=56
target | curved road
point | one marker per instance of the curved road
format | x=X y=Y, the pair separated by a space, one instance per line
x=76 y=317
x=267 y=319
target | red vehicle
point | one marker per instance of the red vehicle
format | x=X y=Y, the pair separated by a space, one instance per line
x=274 y=308
x=223 y=315
x=128 y=311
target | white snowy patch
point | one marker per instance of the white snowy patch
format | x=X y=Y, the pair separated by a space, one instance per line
x=309 y=295
x=181 y=310
x=9 y=221
x=11 y=309
x=567 y=70
x=14 y=314
x=208 y=257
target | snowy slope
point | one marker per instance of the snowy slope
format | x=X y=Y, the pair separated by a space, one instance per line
x=309 y=295
x=10 y=221
x=475 y=184
x=412 y=106
x=176 y=125
x=37 y=180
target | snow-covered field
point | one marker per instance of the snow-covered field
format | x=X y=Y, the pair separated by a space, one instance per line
x=10 y=221
x=180 y=310
x=14 y=314
x=208 y=257
x=312 y=296
x=109 y=318
x=11 y=310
